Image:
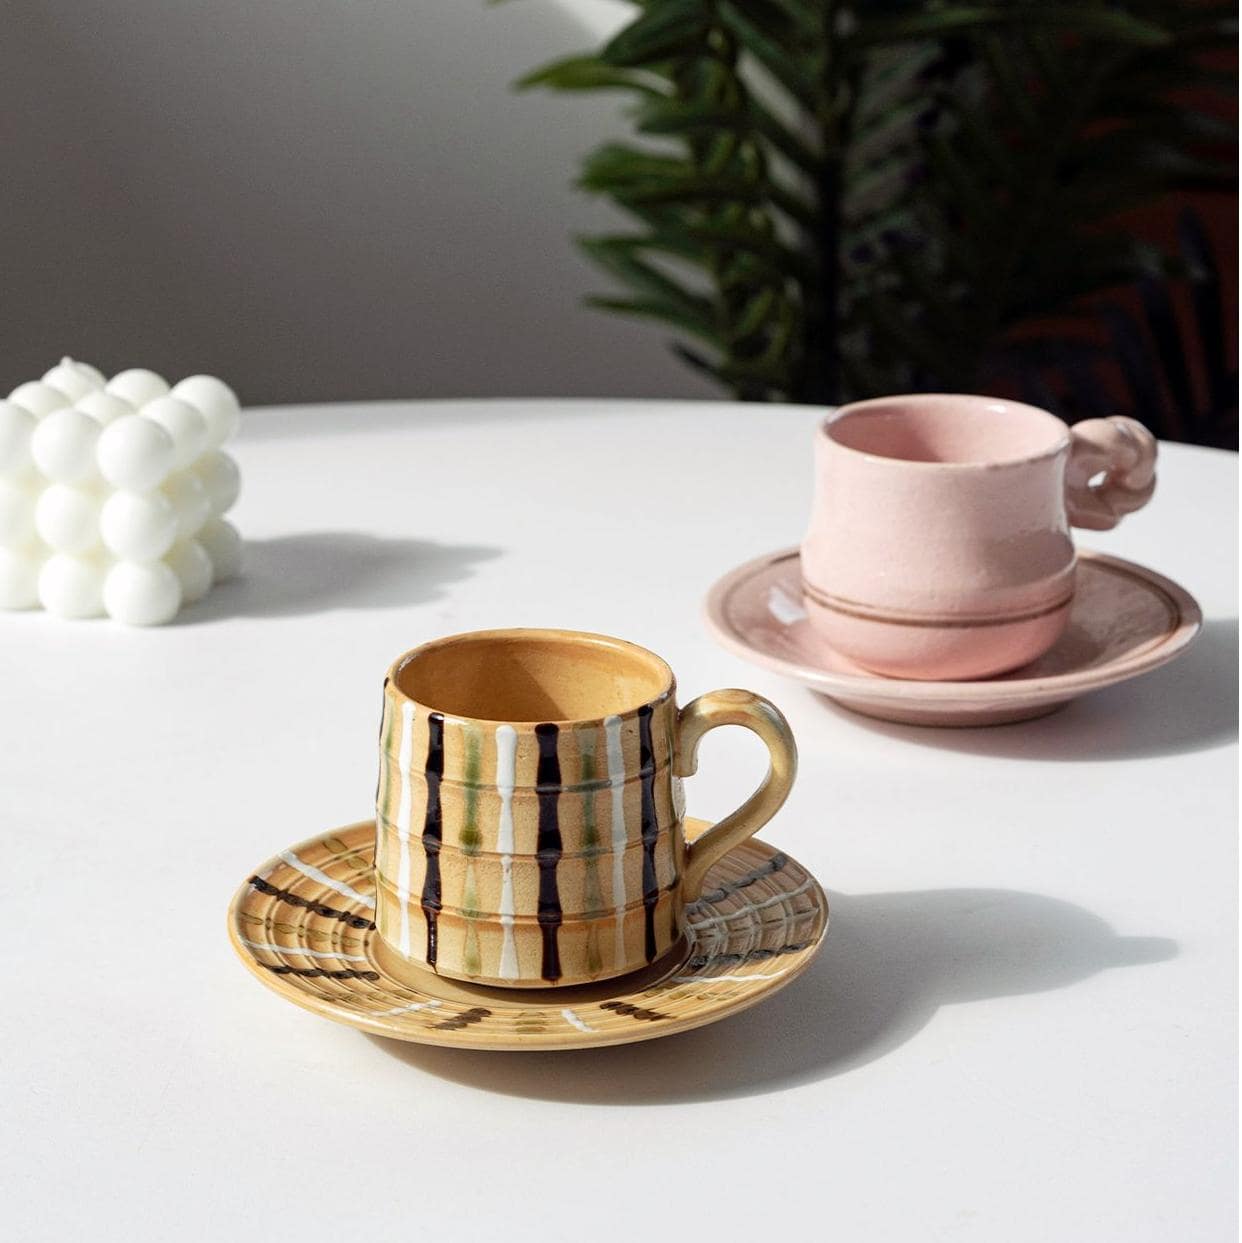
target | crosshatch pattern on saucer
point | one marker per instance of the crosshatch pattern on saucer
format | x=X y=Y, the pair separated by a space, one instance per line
x=304 y=925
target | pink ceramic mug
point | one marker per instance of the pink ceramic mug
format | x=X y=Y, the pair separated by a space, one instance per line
x=939 y=544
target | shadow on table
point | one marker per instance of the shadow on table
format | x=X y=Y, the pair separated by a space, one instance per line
x=1188 y=705
x=322 y=570
x=890 y=962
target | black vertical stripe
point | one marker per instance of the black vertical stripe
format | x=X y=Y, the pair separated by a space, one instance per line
x=548 y=789
x=651 y=830
x=433 y=831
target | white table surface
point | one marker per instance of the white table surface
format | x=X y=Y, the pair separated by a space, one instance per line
x=1022 y=1026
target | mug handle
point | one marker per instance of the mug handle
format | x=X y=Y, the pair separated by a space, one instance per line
x=1124 y=452
x=733 y=707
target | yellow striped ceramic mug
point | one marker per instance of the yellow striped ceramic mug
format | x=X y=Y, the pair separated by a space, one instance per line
x=529 y=810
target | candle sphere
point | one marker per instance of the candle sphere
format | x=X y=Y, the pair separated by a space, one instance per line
x=219 y=475
x=189 y=501
x=19 y=579
x=137 y=386
x=103 y=407
x=16 y=427
x=72 y=586
x=67 y=518
x=138 y=526
x=135 y=454
x=63 y=445
x=141 y=594
x=38 y=398
x=189 y=561
x=17 y=514
x=93 y=374
x=183 y=423
x=216 y=402
x=224 y=546
x=66 y=378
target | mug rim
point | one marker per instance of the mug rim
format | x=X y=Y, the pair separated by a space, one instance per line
x=931 y=401
x=570 y=638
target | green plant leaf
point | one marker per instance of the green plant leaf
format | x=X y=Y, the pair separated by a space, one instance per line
x=697 y=242
x=620 y=256
x=747 y=122
x=673 y=242
x=660 y=31
x=783 y=65
x=741 y=236
x=754 y=314
x=589 y=73
x=784 y=139
x=618 y=160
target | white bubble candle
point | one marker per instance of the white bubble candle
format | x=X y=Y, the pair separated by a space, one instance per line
x=113 y=493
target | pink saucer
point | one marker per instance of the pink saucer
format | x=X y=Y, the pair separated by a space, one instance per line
x=1124 y=621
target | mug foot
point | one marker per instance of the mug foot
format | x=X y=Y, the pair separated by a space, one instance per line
x=924 y=651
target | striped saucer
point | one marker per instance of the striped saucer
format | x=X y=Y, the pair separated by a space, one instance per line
x=303 y=924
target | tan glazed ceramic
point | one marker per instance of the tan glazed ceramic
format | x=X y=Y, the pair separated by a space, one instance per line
x=939 y=543
x=303 y=923
x=1124 y=621
x=529 y=809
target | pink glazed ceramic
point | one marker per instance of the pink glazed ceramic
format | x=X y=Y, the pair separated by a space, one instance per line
x=939 y=544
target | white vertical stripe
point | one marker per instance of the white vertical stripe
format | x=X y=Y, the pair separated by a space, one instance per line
x=506 y=779
x=616 y=778
x=404 y=812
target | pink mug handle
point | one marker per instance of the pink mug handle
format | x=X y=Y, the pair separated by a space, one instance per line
x=1123 y=451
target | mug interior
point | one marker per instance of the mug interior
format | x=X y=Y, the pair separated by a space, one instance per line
x=947 y=429
x=532 y=676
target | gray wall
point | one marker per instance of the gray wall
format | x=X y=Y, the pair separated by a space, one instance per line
x=313 y=200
